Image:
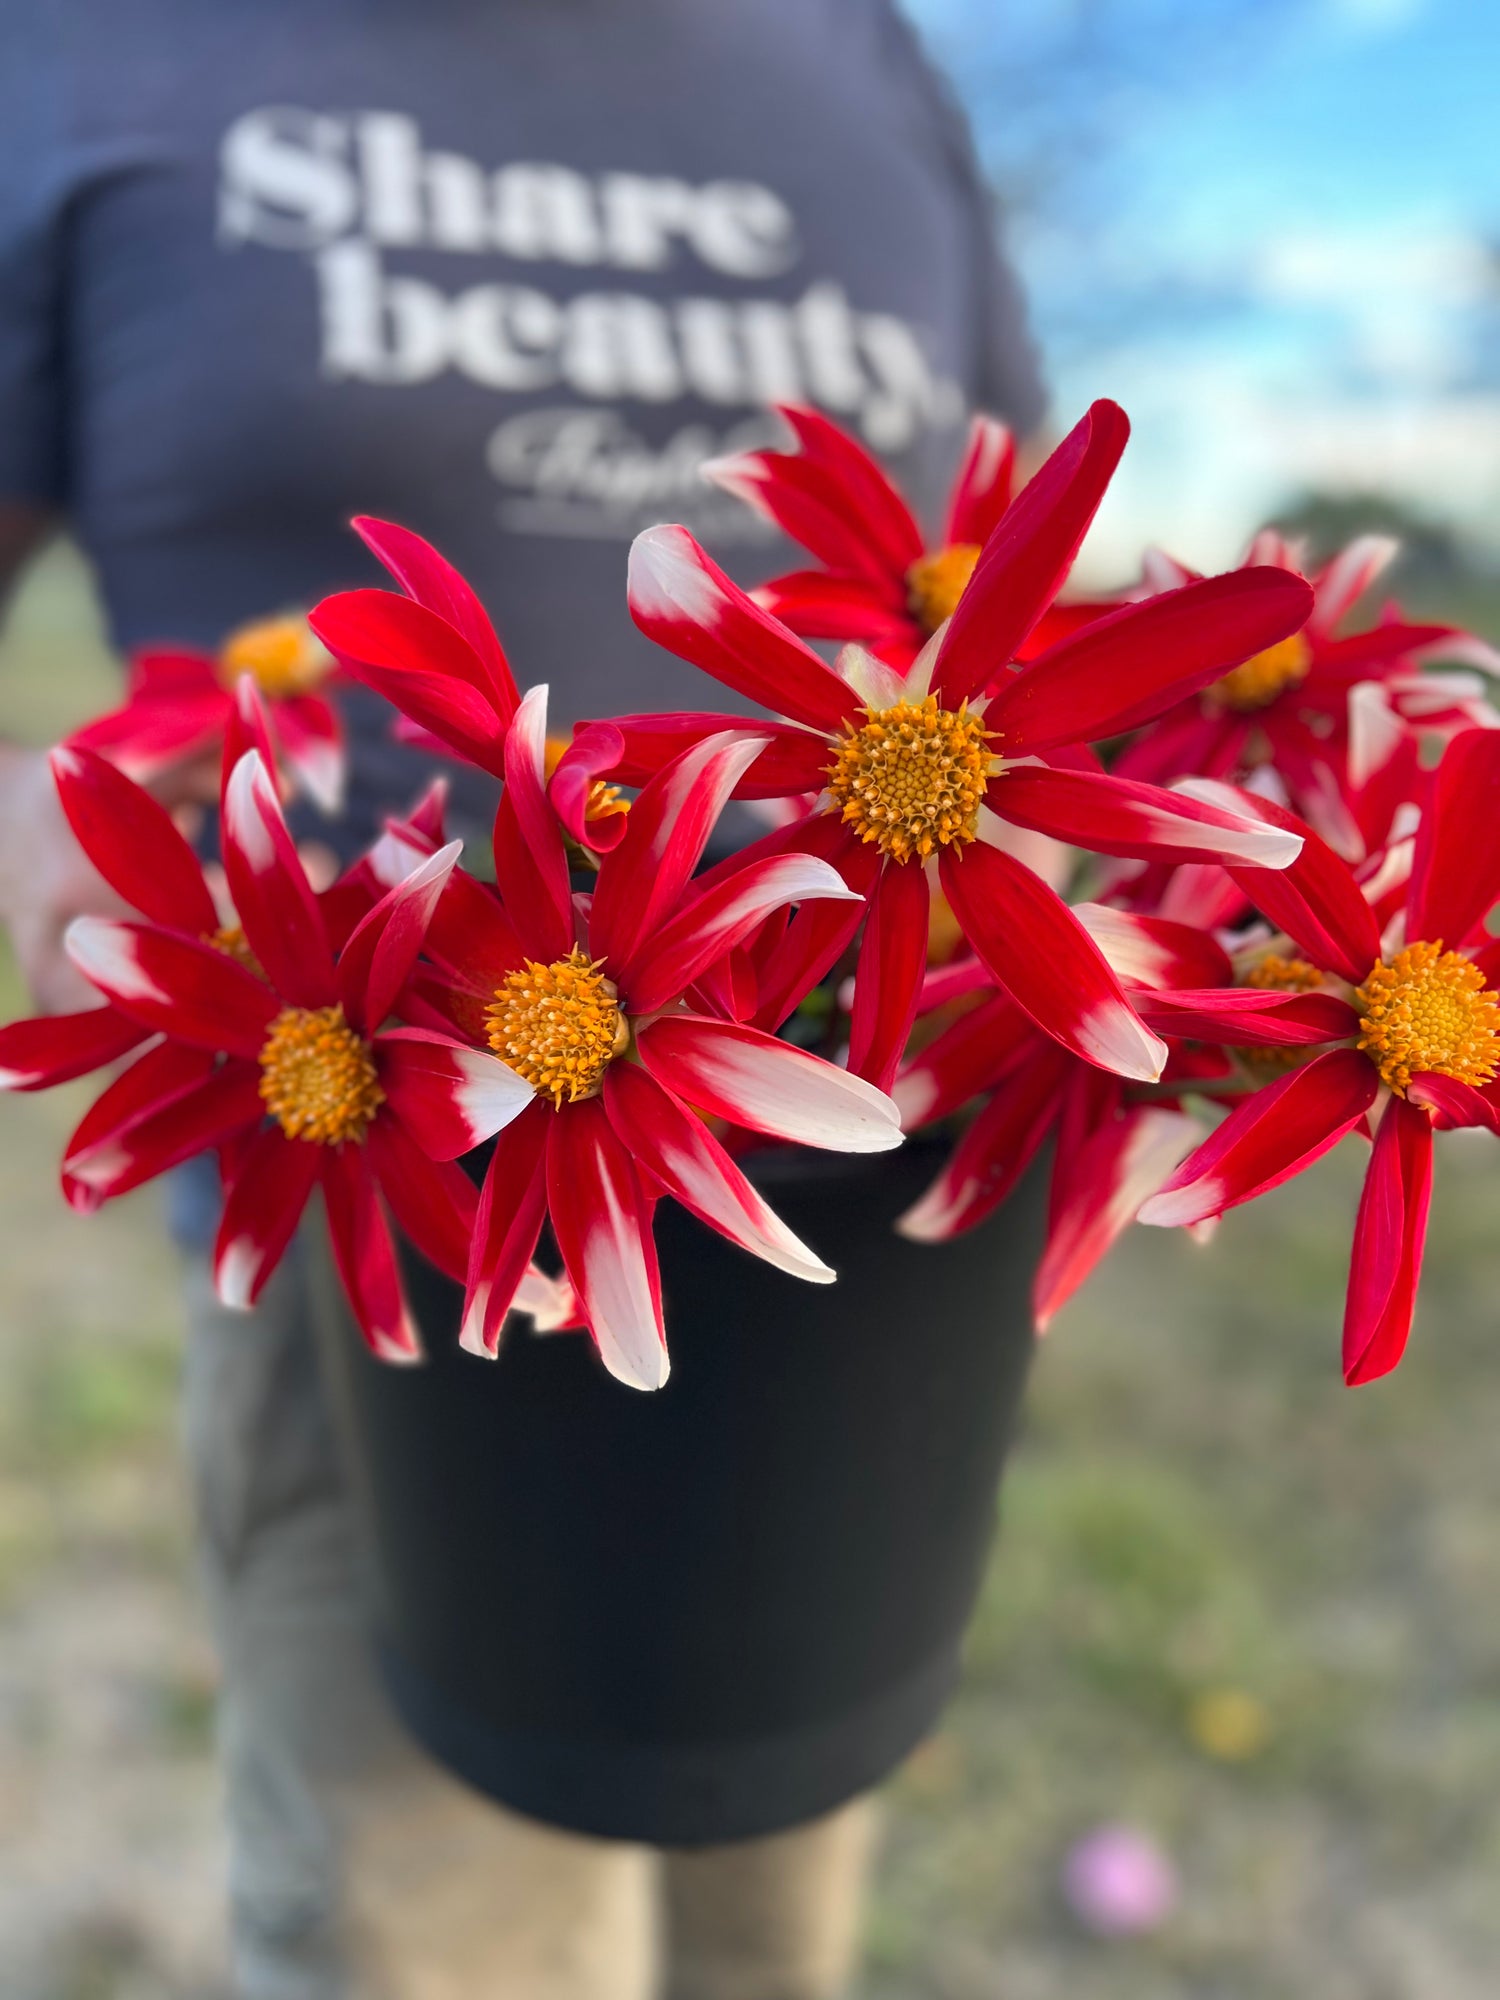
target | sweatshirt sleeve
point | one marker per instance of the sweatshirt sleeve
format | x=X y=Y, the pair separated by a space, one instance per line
x=32 y=452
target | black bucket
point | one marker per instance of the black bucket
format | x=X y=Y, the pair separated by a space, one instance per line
x=713 y=1612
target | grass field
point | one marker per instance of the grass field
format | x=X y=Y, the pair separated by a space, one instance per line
x=1197 y=1509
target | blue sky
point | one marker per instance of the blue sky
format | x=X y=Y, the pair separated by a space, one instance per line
x=1271 y=228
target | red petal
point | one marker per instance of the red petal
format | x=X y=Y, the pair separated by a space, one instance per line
x=531 y=862
x=820 y=933
x=993 y=1153
x=418 y=662
x=471 y=932
x=1044 y=958
x=1351 y=659
x=684 y=601
x=1316 y=901
x=595 y=752
x=1268 y=1138
x=981 y=487
x=312 y=748
x=1130 y=666
x=271 y=894
x=366 y=1256
x=173 y=984
x=433 y=581
x=641 y=882
x=1155 y=951
x=426 y=817
x=721 y=918
x=246 y=727
x=449 y=1097
x=512 y=1205
x=1141 y=822
x=132 y=842
x=1246 y=1015
x=377 y=960
x=1456 y=1104
x=767 y=1086
x=832 y=497
x=602 y=1220
x=1188 y=742
x=157 y=1077
x=971 y=1056
x=54 y=1048
x=1455 y=877
x=262 y=1206
x=433 y=1201
x=694 y=1169
x=1121 y=1165
x=1027 y=558
x=795 y=760
x=1385 y=1264
x=807 y=505
x=157 y=671
x=892 y=960
x=828 y=604
x=1345 y=579
x=163 y=1110
x=871 y=494
x=150 y=732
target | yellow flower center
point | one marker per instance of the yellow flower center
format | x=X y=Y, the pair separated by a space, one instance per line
x=912 y=777
x=281 y=656
x=231 y=940
x=1275 y=974
x=603 y=799
x=1260 y=679
x=559 y=1025
x=1428 y=1009
x=936 y=582
x=317 y=1077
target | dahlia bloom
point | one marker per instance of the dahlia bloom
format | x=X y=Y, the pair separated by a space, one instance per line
x=1336 y=714
x=935 y=765
x=178 y=705
x=432 y=651
x=135 y=847
x=880 y=584
x=601 y=1007
x=269 y=1046
x=1115 y=1142
x=435 y=656
x=1417 y=1040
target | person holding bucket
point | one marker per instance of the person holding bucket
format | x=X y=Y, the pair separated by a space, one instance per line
x=508 y=276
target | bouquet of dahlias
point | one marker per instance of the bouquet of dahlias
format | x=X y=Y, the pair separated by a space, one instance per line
x=1193 y=883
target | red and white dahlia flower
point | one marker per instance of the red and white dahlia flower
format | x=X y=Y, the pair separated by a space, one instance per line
x=178 y=705
x=1115 y=1142
x=268 y=1045
x=881 y=584
x=1413 y=983
x=1337 y=714
x=603 y=1008
x=935 y=765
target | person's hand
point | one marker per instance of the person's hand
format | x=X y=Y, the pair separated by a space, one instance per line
x=45 y=881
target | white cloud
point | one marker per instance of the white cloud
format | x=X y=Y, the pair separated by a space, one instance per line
x=1423 y=257
x=1215 y=449
x=1377 y=16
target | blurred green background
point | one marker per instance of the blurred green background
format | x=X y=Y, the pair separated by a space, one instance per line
x=1233 y=1604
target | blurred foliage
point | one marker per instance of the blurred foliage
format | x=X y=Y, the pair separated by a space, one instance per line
x=56 y=667
x=1437 y=566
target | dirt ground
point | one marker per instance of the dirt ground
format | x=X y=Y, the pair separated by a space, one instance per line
x=1198 y=1510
